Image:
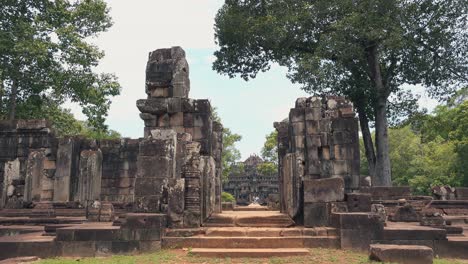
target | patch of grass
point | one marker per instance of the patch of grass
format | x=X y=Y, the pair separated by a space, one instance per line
x=317 y=256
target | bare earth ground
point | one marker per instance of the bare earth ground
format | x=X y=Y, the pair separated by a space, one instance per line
x=317 y=256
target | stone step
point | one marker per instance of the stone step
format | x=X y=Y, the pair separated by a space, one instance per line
x=13 y=230
x=51 y=229
x=250 y=208
x=456 y=219
x=250 y=242
x=184 y=232
x=31 y=244
x=31 y=213
x=40 y=220
x=265 y=222
x=268 y=232
x=414 y=233
x=218 y=220
x=249 y=252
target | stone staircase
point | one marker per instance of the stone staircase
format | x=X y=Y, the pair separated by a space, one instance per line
x=253 y=234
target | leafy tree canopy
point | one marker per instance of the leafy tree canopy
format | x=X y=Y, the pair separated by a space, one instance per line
x=231 y=155
x=270 y=148
x=363 y=49
x=431 y=150
x=269 y=155
x=46 y=58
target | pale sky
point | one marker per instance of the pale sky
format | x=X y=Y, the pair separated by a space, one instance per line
x=141 y=26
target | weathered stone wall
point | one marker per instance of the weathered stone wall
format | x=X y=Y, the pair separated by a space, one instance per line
x=23 y=142
x=119 y=169
x=175 y=169
x=320 y=140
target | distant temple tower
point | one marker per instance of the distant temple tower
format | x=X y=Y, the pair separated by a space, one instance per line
x=247 y=182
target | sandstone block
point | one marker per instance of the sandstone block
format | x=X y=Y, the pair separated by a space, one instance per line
x=313 y=114
x=405 y=213
x=358 y=229
x=154 y=106
x=312 y=127
x=359 y=202
x=168 y=68
x=323 y=190
x=461 y=193
x=389 y=193
x=316 y=214
x=156 y=167
x=297 y=115
x=405 y=254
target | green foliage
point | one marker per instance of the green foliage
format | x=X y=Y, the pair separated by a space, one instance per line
x=422 y=165
x=231 y=155
x=433 y=152
x=267 y=168
x=365 y=50
x=450 y=124
x=269 y=155
x=45 y=58
x=227 y=197
x=324 y=43
x=270 y=148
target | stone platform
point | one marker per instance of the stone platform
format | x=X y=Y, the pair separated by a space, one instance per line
x=253 y=218
x=251 y=234
x=80 y=238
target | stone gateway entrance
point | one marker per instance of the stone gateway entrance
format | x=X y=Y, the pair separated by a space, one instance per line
x=79 y=197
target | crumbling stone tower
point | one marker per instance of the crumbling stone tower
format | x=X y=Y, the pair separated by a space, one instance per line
x=319 y=141
x=179 y=162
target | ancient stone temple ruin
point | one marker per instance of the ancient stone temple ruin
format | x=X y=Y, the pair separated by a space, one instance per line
x=317 y=146
x=179 y=162
x=175 y=168
x=247 y=181
x=78 y=197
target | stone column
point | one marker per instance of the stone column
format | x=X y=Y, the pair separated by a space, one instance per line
x=11 y=174
x=156 y=166
x=90 y=174
x=36 y=178
x=283 y=147
x=192 y=175
x=208 y=176
x=217 y=147
x=67 y=158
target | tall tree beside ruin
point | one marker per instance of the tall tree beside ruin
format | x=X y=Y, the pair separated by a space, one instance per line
x=367 y=47
x=46 y=57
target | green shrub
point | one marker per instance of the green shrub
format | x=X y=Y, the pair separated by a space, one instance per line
x=227 y=197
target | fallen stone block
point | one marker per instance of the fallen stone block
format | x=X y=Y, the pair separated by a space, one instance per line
x=405 y=213
x=405 y=254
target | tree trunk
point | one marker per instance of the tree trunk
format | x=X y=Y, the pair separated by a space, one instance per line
x=13 y=95
x=2 y=91
x=383 y=176
x=367 y=139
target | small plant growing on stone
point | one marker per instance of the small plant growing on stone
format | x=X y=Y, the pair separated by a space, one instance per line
x=227 y=197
